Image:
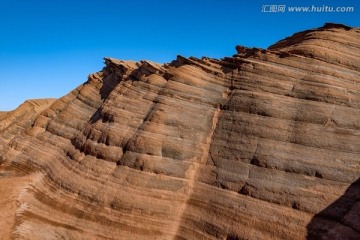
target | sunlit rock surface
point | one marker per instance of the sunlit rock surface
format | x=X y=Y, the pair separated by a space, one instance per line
x=261 y=145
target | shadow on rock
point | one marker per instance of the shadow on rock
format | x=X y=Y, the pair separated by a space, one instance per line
x=341 y=220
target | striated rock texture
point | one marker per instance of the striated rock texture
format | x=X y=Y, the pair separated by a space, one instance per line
x=261 y=145
x=13 y=124
x=16 y=122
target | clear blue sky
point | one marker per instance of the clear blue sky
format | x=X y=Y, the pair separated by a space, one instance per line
x=48 y=47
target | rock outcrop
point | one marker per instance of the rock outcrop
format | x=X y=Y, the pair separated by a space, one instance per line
x=261 y=145
x=15 y=122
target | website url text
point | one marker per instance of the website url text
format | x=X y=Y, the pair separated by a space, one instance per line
x=303 y=9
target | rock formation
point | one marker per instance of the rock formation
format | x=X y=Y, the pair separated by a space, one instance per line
x=261 y=145
x=15 y=122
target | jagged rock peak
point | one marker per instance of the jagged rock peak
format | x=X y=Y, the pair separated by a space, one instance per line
x=335 y=25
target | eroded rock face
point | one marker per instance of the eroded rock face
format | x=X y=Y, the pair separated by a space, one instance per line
x=14 y=123
x=261 y=145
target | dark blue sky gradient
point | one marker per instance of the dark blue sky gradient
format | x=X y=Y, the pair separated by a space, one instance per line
x=48 y=47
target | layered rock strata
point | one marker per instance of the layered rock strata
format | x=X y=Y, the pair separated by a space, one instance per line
x=261 y=145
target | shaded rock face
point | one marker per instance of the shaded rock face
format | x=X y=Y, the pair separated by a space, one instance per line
x=345 y=210
x=261 y=145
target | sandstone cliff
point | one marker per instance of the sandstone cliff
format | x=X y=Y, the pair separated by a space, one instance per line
x=13 y=123
x=261 y=145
